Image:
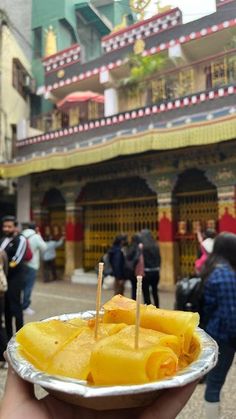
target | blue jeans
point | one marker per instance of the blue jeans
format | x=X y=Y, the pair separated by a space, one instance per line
x=30 y=277
x=217 y=376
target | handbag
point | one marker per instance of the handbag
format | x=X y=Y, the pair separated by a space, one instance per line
x=3 y=280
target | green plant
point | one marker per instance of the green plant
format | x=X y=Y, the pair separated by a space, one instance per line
x=141 y=68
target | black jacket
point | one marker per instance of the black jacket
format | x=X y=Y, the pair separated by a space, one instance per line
x=152 y=258
x=15 y=248
x=117 y=261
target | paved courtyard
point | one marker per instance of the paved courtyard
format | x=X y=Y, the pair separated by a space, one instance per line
x=62 y=297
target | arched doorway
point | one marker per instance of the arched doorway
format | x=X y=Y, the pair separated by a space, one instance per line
x=114 y=207
x=54 y=206
x=196 y=206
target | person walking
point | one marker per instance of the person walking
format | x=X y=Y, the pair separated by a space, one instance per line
x=37 y=246
x=117 y=261
x=152 y=263
x=219 y=314
x=14 y=245
x=49 y=259
x=132 y=258
x=3 y=288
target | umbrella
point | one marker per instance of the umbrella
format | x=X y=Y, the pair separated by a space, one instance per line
x=78 y=97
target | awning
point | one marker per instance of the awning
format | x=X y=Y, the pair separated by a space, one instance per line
x=77 y=97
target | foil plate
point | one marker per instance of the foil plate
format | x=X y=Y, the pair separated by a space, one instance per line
x=111 y=397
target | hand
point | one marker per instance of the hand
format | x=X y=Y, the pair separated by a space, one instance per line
x=19 y=402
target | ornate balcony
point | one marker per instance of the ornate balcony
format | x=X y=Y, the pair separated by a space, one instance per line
x=196 y=39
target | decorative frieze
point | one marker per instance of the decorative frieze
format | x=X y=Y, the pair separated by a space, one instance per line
x=142 y=30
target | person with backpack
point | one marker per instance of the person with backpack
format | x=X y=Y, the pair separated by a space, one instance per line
x=14 y=244
x=36 y=246
x=3 y=289
x=219 y=314
x=117 y=261
x=152 y=264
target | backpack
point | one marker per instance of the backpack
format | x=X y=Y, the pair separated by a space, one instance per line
x=188 y=295
x=28 y=252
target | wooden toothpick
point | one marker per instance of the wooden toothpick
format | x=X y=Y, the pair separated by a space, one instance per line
x=98 y=300
x=138 y=304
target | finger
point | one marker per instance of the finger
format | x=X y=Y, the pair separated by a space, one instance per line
x=170 y=403
x=17 y=391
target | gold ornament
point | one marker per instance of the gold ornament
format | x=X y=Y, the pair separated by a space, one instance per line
x=163 y=9
x=60 y=74
x=50 y=42
x=121 y=25
x=139 y=46
x=139 y=7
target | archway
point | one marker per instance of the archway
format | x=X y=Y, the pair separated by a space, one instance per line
x=113 y=207
x=54 y=206
x=196 y=206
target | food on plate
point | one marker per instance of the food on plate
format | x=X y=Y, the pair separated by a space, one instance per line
x=167 y=343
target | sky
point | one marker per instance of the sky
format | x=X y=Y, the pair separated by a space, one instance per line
x=192 y=9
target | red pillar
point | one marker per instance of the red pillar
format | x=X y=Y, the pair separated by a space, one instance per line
x=227 y=209
x=167 y=243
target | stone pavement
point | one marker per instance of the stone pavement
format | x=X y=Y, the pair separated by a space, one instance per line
x=62 y=297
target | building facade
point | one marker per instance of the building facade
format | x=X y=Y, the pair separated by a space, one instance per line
x=14 y=101
x=161 y=156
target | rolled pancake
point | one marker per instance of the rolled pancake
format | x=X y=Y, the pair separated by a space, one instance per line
x=73 y=360
x=179 y=323
x=114 y=361
x=40 y=341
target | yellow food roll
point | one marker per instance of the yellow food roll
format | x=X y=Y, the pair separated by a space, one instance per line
x=114 y=361
x=40 y=341
x=149 y=337
x=179 y=323
x=73 y=360
x=194 y=351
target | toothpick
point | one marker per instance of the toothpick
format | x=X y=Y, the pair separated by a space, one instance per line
x=138 y=304
x=98 y=300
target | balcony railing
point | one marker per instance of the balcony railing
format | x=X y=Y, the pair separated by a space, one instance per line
x=174 y=84
x=57 y=119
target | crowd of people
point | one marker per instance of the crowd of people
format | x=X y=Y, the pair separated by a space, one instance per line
x=139 y=257
x=20 y=255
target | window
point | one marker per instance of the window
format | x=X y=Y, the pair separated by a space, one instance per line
x=38 y=42
x=19 y=77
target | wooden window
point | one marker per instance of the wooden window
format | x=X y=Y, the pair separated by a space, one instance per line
x=19 y=77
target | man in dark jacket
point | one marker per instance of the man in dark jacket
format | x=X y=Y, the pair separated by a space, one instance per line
x=117 y=261
x=14 y=245
x=152 y=263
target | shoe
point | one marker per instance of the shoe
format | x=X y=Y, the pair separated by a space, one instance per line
x=28 y=311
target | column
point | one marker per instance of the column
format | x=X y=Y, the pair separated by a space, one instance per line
x=74 y=233
x=227 y=208
x=168 y=246
x=110 y=102
x=24 y=199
